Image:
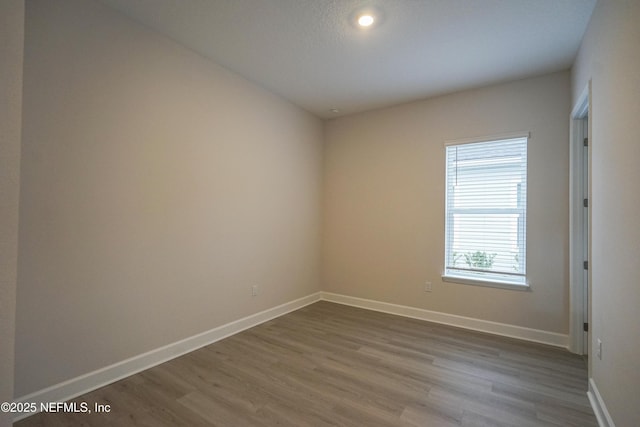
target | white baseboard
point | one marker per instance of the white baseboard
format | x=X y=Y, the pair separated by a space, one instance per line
x=93 y=380
x=599 y=408
x=528 y=334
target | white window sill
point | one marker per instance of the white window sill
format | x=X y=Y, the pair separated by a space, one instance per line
x=488 y=283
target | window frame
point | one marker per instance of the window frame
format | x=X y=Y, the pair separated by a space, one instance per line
x=447 y=275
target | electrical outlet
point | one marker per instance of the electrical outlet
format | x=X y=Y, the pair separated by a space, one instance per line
x=254 y=290
x=427 y=286
x=599 y=349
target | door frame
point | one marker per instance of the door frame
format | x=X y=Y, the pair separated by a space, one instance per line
x=579 y=225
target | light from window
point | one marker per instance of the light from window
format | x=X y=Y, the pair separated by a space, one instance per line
x=486 y=211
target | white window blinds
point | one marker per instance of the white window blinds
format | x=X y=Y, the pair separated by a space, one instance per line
x=486 y=210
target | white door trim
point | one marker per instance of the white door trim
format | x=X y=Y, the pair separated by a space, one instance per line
x=578 y=305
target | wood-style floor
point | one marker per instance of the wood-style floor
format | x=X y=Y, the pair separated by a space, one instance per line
x=333 y=365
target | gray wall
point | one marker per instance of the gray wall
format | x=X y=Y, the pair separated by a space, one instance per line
x=11 y=53
x=157 y=188
x=610 y=58
x=384 y=192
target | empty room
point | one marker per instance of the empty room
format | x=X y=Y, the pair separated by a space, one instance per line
x=319 y=213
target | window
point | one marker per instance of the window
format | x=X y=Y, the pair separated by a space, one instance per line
x=486 y=212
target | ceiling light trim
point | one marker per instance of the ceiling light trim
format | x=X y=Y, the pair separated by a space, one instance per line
x=372 y=16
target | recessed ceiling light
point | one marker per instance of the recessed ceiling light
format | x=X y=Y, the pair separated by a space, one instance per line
x=334 y=111
x=366 y=20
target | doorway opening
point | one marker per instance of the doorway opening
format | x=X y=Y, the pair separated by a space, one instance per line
x=580 y=229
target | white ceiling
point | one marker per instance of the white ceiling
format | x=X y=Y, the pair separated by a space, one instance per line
x=311 y=53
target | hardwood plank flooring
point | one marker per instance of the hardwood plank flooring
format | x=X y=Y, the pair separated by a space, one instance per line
x=334 y=365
